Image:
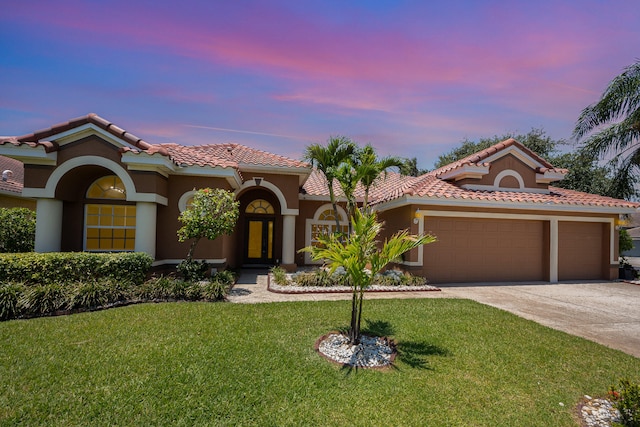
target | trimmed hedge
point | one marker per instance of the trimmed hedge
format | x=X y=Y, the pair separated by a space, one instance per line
x=20 y=300
x=63 y=267
x=18 y=231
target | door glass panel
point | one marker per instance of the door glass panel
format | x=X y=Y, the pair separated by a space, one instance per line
x=255 y=239
x=270 y=241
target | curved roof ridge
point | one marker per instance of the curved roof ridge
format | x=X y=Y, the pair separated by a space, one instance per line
x=38 y=136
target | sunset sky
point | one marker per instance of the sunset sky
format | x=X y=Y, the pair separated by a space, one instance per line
x=414 y=78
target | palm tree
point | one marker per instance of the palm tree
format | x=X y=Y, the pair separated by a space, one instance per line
x=328 y=160
x=361 y=258
x=612 y=127
x=369 y=168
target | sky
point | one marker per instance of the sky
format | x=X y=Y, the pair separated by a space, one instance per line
x=413 y=78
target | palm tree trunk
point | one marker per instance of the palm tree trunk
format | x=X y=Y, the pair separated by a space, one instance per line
x=354 y=333
x=358 y=324
x=332 y=197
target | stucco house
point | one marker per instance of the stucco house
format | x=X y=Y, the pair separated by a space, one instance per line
x=496 y=215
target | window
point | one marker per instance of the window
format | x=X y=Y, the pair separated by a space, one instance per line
x=323 y=222
x=260 y=206
x=109 y=226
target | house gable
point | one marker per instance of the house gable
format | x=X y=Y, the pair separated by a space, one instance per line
x=507 y=166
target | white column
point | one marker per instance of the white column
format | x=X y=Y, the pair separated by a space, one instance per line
x=48 y=225
x=288 y=239
x=146 y=214
x=553 y=250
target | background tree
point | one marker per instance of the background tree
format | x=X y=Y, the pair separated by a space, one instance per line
x=409 y=167
x=362 y=258
x=18 y=231
x=328 y=160
x=212 y=213
x=611 y=127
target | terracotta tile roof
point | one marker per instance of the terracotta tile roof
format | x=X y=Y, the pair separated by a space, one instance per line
x=390 y=186
x=227 y=155
x=15 y=180
x=222 y=155
x=38 y=138
x=477 y=158
x=429 y=186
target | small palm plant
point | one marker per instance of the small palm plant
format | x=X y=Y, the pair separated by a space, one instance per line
x=361 y=257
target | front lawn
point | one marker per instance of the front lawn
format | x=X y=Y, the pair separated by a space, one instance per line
x=460 y=363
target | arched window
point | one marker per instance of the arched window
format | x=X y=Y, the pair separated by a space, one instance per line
x=110 y=224
x=260 y=207
x=323 y=222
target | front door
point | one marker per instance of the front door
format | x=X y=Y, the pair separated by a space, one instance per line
x=259 y=241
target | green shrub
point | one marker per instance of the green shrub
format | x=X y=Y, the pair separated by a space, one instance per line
x=398 y=278
x=279 y=275
x=9 y=300
x=227 y=277
x=64 y=267
x=43 y=299
x=124 y=266
x=213 y=291
x=625 y=242
x=92 y=294
x=157 y=288
x=627 y=400
x=18 y=230
x=193 y=270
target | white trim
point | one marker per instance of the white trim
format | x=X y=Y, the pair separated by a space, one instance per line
x=284 y=210
x=498 y=204
x=49 y=190
x=554 y=238
x=465 y=171
x=549 y=176
x=420 y=261
x=148 y=162
x=302 y=172
x=329 y=206
x=315 y=221
x=509 y=172
x=517 y=153
x=29 y=155
x=481 y=187
x=87 y=129
x=182 y=202
x=230 y=174
x=496 y=184
x=48 y=225
x=317 y=198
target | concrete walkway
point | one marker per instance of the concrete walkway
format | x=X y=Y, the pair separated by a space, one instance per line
x=607 y=313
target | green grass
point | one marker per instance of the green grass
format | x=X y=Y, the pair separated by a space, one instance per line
x=461 y=363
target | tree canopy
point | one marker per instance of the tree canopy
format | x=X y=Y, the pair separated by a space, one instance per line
x=610 y=129
x=212 y=213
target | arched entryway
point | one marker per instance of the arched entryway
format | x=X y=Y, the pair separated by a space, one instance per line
x=260 y=219
x=260 y=225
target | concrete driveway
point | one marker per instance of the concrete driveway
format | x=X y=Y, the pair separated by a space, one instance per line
x=607 y=313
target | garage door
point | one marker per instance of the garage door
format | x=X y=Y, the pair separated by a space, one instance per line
x=485 y=250
x=580 y=250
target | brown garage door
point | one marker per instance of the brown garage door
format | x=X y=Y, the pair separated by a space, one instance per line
x=580 y=250
x=485 y=250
